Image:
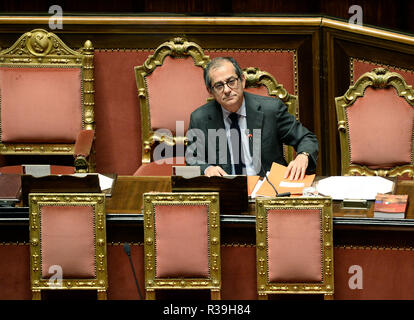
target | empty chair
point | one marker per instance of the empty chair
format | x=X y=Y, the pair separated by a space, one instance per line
x=182 y=242
x=294 y=249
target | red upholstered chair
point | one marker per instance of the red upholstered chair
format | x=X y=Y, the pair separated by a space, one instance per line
x=67 y=242
x=170 y=86
x=294 y=249
x=375 y=123
x=46 y=102
x=263 y=83
x=182 y=242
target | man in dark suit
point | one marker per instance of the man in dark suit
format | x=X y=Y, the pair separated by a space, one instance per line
x=243 y=133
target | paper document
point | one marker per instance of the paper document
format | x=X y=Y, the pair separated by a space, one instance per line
x=37 y=170
x=105 y=182
x=354 y=187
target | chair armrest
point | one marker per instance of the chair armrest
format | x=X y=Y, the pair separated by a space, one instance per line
x=83 y=143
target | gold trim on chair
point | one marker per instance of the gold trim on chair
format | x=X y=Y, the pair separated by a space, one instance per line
x=254 y=78
x=377 y=78
x=213 y=281
x=177 y=47
x=97 y=201
x=264 y=286
x=39 y=49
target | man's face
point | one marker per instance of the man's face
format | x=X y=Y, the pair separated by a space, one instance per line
x=230 y=99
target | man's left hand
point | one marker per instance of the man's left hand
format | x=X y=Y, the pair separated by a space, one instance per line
x=297 y=168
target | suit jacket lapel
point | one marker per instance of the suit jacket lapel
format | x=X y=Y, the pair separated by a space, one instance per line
x=254 y=116
x=215 y=117
x=216 y=122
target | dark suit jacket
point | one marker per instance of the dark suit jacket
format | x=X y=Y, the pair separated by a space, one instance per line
x=270 y=116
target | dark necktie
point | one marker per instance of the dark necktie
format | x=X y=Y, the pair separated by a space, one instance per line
x=236 y=145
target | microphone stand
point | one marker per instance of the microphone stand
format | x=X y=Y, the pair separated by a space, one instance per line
x=284 y=194
x=127 y=250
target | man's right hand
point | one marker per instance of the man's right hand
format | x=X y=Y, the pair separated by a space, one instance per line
x=215 y=171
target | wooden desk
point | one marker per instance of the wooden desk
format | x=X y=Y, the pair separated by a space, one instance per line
x=128 y=192
x=383 y=248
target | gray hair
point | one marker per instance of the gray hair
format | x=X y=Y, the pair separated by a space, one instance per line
x=217 y=62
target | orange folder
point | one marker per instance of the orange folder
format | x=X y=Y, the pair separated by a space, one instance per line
x=276 y=178
x=251 y=183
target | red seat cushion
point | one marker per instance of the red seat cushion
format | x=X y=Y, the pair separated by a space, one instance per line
x=159 y=167
x=54 y=169
x=68 y=240
x=294 y=245
x=380 y=129
x=40 y=104
x=181 y=240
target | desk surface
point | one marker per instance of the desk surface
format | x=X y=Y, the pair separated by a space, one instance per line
x=125 y=205
x=127 y=197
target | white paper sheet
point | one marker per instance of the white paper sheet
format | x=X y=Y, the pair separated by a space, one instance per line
x=37 y=170
x=257 y=187
x=354 y=187
x=104 y=181
x=291 y=184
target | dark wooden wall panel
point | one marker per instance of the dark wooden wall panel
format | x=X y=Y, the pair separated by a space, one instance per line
x=393 y=14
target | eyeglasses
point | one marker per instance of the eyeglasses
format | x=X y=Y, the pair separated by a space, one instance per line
x=231 y=83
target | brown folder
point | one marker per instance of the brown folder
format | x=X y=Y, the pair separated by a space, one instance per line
x=251 y=183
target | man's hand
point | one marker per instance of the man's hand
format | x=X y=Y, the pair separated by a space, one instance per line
x=297 y=168
x=215 y=171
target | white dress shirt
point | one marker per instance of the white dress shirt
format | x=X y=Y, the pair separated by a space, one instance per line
x=250 y=171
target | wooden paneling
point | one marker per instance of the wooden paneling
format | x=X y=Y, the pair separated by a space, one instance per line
x=127 y=196
x=381 y=13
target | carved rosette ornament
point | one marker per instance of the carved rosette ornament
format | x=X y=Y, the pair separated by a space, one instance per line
x=39 y=43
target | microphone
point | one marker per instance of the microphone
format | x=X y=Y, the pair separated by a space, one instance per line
x=127 y=250
x=284 y=194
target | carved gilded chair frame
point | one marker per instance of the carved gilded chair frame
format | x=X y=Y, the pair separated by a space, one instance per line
x=213 y=282
x=36 y=202
x=26 y=52
x=377 y=78
x=256 y=77
x=177 y=47
x=264 y=286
